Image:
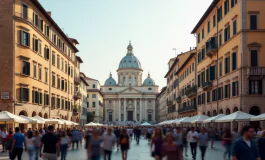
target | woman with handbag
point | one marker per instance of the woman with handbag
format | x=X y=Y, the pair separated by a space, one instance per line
x=157 y=141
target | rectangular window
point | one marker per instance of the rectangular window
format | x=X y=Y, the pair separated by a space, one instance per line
x=253 y=22
x=35 y=19
x=220 y=68
x=62 y=84
x=255 y=87
x=62 y=103
x=41 y=25
x=46 y=99
x=199 y=80
x=203 y=98
x=219 y=14
x=199 y=36
x=209 y=26
x=199 y=57
x=234 y=61
x=203 y=53
x=46 y=75
x=24 y=94
x=192 y=66
x=220 y=93
x=35 y=44
x=233 y=3
x=35 y=70
x=26 y=68
x=227 y=33
x=220 y=39
x=58 y=103
x=234 y=28
x=65 y=68
x=212 y=73
x=227 y=91
x=58 y=82
x=203 y=33
x=53 y=58
x=40 y=98
x=226 y=6
x=235 y=88
x=46 y=53
x=214 y=21
x=40 y=72
x=207 y=75
x=254 y=58
x=54 y=38
x=72 y=72
x=94 y=96
x=58 y=62
x=94 y=104
x=65 y=86
x=25 y=11
x=227 y=64
x=214 y=95
x=199 y=100
x=24 y=38
x=62 y=65
x=47 y=31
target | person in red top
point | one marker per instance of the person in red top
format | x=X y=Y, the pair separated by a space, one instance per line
x=9 y=136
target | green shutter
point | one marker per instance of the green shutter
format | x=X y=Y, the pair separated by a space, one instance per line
x=21 y=37
x=33 y=96
x=199 y=80
x=40 y=98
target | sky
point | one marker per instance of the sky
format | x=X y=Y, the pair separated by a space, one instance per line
x=104 y=28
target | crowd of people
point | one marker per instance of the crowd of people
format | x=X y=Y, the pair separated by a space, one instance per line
x=169 y=142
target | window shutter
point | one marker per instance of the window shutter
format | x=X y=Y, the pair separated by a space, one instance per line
x=48 y=53
x=249 y=87
x=260 y=87
x=228 y=30
x=28 y=68
x=40 y=94
x=199 y=80
x=33 y=43
x=28 y=36
x=253 y=22
x=228 y=92
x=21 y=37
x=254 y=58
x=21 y=95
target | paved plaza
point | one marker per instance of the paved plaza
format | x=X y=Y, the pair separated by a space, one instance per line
x=137 y=152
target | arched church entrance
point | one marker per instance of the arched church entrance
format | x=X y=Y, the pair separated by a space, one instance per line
x=254 y=110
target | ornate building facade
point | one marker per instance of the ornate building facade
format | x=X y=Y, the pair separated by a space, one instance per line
x=129 y=101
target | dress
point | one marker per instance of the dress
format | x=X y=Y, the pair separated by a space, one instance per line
x=124 y=142
x=158 y=142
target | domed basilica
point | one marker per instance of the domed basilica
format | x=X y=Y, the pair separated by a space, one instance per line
x=128 y=100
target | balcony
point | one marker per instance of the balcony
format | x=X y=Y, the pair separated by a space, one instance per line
x=178 y=99
x=169 y=103
x=187 y=109
x=77 y=95
x=207 y=85
x=191 y=91
x=77 y=80
x=255 y=71
x=211 y=47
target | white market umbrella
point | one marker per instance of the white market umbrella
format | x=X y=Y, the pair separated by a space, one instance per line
x=213 y=119
x=179 y=119
x=237 y=116
x=258 y=118
x=31 y=121
x=184 y=120
x=146 y=124
x=53 y=121
x=199 y=118
x=91 y=124
x=39 y=119
x=7 y=117
x=66 y=122
x=169 y=122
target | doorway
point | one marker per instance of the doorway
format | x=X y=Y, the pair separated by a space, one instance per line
x=130 y=115
x=254 y=111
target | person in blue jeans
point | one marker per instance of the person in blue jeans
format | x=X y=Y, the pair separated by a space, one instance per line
x=227 y=138
x=37 y=137
x=64 y=142
x=75 y=138
x=203 y=139
x=17 y=145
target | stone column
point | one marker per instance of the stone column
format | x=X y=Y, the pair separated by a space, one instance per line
x=114 y=108
x=145 y=110
x=119 y=101
x=124 y=110
x=135 y=111
x=140 y=115
x=106 y=116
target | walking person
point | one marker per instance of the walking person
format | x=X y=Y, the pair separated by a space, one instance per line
x=227 y=140
x=157 y=141
x=64 y=143
x=109 y=140
x=177 y=134
x=203 y=142
x=75 y=138
x=8 y=143
x=3 y=136
x=94 y=145
x=192 y=138
x=17 y=145
x=137 y=134
x=37 y=137
x=51 y=145
x=261 y=145
x=245 y=148
x=117 y=133
x=81 y=135
x=212 y=135
x=170 y=149
x=30 y=143
x=124 y=143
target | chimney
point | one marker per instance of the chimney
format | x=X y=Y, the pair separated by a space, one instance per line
x=49 y=13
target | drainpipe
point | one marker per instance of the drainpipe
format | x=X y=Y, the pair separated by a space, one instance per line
x=217 y=76
x=50 y=75
x=195 y=70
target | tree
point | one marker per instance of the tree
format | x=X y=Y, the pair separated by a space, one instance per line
x=90 y=117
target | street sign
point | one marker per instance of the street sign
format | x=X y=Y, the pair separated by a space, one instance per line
x=4 y=95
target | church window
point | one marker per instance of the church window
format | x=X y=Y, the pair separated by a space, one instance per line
x=149 y=89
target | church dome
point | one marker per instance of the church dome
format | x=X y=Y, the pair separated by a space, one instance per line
x=130 y=61
x=149 y=81
x=110 y=81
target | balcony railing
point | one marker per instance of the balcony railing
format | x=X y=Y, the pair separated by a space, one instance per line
x=255 y=71
x=187 y=109
x=178 y=99
x=211 y=47
x=207 y=85
x=191 y=91
x=77 y=95
x=77 y=80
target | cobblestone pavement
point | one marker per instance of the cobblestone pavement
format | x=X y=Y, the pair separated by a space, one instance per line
x=137 y=152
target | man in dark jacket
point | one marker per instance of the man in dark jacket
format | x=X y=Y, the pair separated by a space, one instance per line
x=138 y=134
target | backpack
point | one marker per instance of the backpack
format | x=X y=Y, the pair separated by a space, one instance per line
x=8 y=144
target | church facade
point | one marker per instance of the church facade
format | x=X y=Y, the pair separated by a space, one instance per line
x=129 y=100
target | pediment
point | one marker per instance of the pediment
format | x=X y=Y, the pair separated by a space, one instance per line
x=130 y=90
x=254 y=44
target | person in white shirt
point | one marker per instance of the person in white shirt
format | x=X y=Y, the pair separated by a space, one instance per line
x=3 y=136
x=193 y=138
x=109 y=140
